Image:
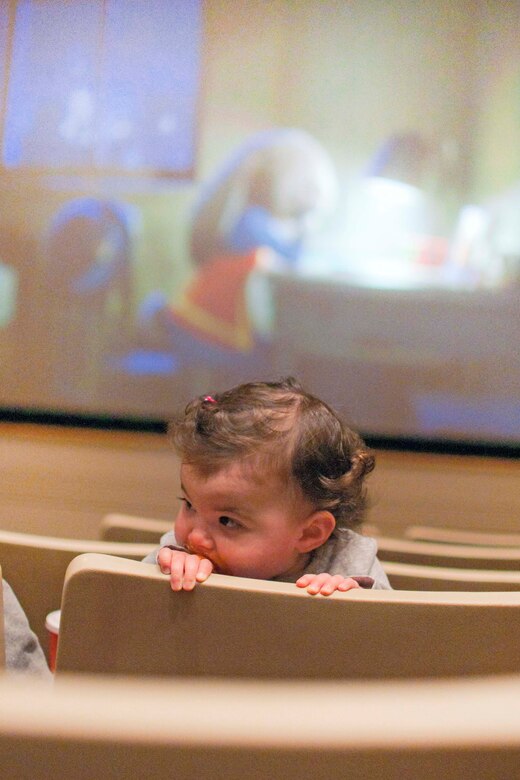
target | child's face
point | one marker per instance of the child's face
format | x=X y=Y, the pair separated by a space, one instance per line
x=246 y=527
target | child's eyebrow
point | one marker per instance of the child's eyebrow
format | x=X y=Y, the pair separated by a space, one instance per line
x=232 y=510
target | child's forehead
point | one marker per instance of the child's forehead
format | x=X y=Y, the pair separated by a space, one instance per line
x=243 y=474
x=250 y=478
x=238 y=488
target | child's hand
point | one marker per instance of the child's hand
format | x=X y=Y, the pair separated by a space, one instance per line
x=325 y=584
x=185 y=570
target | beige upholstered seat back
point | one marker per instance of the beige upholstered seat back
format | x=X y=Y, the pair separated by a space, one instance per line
x=126 y=729
x=120 y=616
x=424 y=553
x=35 y=567
x=117 y=527
x=462 y=536
x=409 y=576
x=2 y=632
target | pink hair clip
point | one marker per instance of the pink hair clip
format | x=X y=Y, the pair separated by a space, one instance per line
x=210 y=399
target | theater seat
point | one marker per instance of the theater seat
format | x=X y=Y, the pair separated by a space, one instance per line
x=126 y=729
x=131 y=528
x=35 y=568
x=461 y=536
x=409 y=576
x=121 y=617
x=2 y=629
x=458 y=556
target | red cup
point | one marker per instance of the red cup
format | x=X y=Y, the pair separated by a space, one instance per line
x=52 y=624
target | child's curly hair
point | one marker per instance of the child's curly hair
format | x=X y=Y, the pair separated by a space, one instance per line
x=278 y=427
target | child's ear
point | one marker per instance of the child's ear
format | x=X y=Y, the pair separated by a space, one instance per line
x=316 y=530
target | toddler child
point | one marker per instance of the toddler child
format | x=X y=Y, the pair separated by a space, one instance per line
x=272 y=487
x=23 y=652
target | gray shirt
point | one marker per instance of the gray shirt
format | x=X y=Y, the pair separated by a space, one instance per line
x=345 y=552
x=349 y=554
x=23 y=652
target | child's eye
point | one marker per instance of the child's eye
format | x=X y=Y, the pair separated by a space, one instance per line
x=228 y=522
x=185 y=502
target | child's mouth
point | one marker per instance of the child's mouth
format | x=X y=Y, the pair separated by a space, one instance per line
x=217 y=566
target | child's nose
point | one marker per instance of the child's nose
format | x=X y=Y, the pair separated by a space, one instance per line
x=199 y=540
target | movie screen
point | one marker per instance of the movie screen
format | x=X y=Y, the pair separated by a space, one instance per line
x=195 y=193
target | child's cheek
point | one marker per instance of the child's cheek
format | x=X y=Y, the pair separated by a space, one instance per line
x=180 y=531
x=220 y=566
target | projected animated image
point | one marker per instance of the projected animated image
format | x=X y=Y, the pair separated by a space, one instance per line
x=253 y=214
x=187 y=204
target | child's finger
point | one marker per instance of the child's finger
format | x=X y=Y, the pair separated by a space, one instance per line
x=304 y=580
x=316 y=584
x=205 y=569
x=331 y=584
x=177 y=570
x=191 y=569
x=164 y=557
x=348 y=584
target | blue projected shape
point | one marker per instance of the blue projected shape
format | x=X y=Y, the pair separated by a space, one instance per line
x=118 y=91
x=142 y=362
x=51 y=97
x=148 y=102
x=490 y=418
